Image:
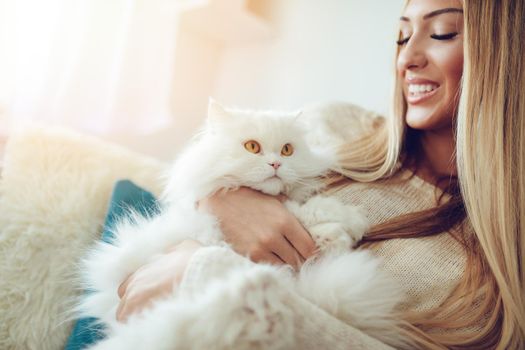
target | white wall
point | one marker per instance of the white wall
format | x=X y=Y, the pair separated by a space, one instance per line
x=324 y=50
x=319 y=51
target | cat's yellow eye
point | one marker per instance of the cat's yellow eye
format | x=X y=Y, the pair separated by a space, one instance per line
x=252 y=146
x=287 y=150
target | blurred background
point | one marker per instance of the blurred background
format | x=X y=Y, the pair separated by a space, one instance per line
x=140 y=72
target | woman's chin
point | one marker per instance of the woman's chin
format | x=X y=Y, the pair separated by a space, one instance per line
x=421 y=120
x=428 y=117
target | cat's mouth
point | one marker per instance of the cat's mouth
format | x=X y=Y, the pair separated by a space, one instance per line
x=274 y=177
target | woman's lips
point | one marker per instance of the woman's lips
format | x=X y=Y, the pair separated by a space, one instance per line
x=420 y=90
x=414 y=98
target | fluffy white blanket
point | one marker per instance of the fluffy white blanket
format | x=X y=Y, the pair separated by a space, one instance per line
x=54 y=193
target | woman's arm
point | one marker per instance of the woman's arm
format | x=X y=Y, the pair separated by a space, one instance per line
x=260 y=226
x=254 y=224
x=231 y=276
x=313 y=328
x=154 y=280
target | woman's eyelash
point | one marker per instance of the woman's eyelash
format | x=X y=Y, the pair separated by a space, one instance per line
x=448 y=36
x=444 y=36
x=403 y=41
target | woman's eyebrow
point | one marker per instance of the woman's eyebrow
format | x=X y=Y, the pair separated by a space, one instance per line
x=435 y=13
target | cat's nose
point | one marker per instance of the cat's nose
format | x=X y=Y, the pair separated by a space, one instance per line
x=275 y=165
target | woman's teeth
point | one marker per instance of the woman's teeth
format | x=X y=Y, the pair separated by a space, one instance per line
x=419 y=89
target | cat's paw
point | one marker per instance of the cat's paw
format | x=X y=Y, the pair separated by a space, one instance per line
x=354 y=221
x=330 y=220
x=331 y=237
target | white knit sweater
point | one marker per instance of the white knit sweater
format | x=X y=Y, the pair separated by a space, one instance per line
x=427 y=268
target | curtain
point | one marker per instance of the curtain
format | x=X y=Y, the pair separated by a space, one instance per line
x=103 y=66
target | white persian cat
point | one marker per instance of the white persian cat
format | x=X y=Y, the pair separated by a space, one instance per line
x=266 y=151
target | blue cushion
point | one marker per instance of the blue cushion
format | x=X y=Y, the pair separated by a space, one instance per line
x=126 y=196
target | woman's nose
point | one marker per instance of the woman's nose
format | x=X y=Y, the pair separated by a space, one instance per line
x=411 y=56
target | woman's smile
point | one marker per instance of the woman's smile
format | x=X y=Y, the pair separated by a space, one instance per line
x=419 y=90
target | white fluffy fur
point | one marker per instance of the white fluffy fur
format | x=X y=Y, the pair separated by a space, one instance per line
x=54 y=193
x=254 y=316
x=217 y=159
x=352 y=287
x=139 y=240
x=346 y=284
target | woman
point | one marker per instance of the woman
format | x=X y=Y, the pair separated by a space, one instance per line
x=460 y=256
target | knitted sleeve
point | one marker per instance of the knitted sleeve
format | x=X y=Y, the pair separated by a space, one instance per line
x=339 y=123
x=307 y=325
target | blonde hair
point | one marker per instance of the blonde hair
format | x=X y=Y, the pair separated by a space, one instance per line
x=488 y=198
x=492 y=141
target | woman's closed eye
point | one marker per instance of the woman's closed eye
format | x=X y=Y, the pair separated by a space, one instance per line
x=444 y=36
x=403 y=41
x=447 y=36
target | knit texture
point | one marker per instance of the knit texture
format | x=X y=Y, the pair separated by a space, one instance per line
x=428 y=268
x=313 y=327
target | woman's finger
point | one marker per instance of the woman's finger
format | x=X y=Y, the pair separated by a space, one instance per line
x=299 y=238
x=124 y=286
x=129 y=306
x=272 y=258
x=286 y=251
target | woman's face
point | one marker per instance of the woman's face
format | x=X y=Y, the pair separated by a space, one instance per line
x=430 y=61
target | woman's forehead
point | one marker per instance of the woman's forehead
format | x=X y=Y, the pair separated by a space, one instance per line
x=421 y=9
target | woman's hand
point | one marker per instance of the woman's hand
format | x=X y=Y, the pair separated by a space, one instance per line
x=260 y=226
x=155 y=279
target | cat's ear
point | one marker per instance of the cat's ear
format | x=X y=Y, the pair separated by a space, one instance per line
x=216 y=112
